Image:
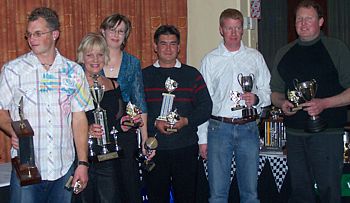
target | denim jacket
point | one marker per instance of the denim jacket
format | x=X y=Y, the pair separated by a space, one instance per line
x=131 y=82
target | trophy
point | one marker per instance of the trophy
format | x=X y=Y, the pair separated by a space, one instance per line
x=132 y=110
x=236 y=98
x=296 y=99
x=100 y=148
x=168 y=99
x=246 y=83
x=118 y=149
x=24 y=163
x=308 y=90
x=151 y=144
x=172 y=118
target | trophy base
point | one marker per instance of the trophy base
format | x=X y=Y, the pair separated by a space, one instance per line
x=297 y=108
x=131 y=124
x=315 y=125
x=148 y=165
x=27 y=175
x=236 y=108
x=112 y=153
x=173 y=130
x=249 y=113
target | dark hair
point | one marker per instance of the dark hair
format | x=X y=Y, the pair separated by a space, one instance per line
x=230 y=13
x=115 y=19
x=309 y=4
x=167 y=30
x=48 y=14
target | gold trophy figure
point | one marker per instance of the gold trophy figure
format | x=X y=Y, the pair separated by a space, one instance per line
x=106 y=152
x=150 y=145
x=132 y=110
x=24 y=163
x=296 y=99
x=172 y=118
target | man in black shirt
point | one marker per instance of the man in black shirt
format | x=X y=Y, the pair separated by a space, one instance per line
x=315 y=159
x=177 y=152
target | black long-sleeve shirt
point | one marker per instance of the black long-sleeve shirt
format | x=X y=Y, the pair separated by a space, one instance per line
x=192 y=100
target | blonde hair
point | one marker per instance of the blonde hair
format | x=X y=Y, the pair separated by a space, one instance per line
x=90 y=41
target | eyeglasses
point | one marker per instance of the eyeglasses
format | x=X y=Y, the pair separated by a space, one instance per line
x=36 y=34
x=233 y=28
x=114 y=31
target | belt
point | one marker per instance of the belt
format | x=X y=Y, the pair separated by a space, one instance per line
x=236 y=121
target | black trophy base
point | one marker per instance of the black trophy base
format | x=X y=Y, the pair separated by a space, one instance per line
x=315 y=125
x=27 y=175
x=249 y=113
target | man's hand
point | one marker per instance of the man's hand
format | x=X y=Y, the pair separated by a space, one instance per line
x=81 y=174
x=287 y=108
x=162 y=126
x=314 y=107
x=249 y=98
x=14 y=141
x=181 y=123
x=203 y=150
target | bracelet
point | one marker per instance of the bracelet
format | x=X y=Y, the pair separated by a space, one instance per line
x=85 y=163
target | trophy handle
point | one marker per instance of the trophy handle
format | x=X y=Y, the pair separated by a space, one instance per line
x=239 y=79
x=253 y=77
x=295 y=83
x=314 y=83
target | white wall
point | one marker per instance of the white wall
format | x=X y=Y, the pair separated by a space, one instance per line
x=203 y=26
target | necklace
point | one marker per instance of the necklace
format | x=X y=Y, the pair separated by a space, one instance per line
x=46 y=65
x=112 y=68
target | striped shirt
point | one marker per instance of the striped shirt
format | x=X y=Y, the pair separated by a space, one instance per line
x=49 y=98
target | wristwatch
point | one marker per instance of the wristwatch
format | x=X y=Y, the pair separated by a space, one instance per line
x=85 y=163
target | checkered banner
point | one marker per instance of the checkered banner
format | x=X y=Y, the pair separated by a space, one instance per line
x=279 y=169
x=278 y=166
x=255 y=9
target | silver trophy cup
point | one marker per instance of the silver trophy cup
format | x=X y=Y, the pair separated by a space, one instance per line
x=247 y=82
x=308 y=91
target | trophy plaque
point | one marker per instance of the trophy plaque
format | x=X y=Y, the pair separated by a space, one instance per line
x=168 y=99
x=24 y=163
x=308 y=91
x=151 y=144
x=246 y=82
x=172 y=118
x=296 y=99
x=132 y=110
x=100 y=149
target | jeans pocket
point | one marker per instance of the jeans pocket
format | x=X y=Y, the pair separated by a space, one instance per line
x=213 y=125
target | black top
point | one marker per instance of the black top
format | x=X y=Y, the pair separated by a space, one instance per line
x=115 y=107
x=192 y=100
x=321 y=60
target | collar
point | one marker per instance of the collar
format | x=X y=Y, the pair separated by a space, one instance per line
x=309 y=43
x=224 y=51
x=177 y=64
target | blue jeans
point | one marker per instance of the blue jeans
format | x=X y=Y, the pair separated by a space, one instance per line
x=224 y=139
x=45 y=191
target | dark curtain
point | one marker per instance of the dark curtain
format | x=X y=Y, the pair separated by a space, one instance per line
x=272 y=28
x=339 y=20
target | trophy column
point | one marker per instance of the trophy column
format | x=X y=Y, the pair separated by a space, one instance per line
x=101 y=150
x=24 y=163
